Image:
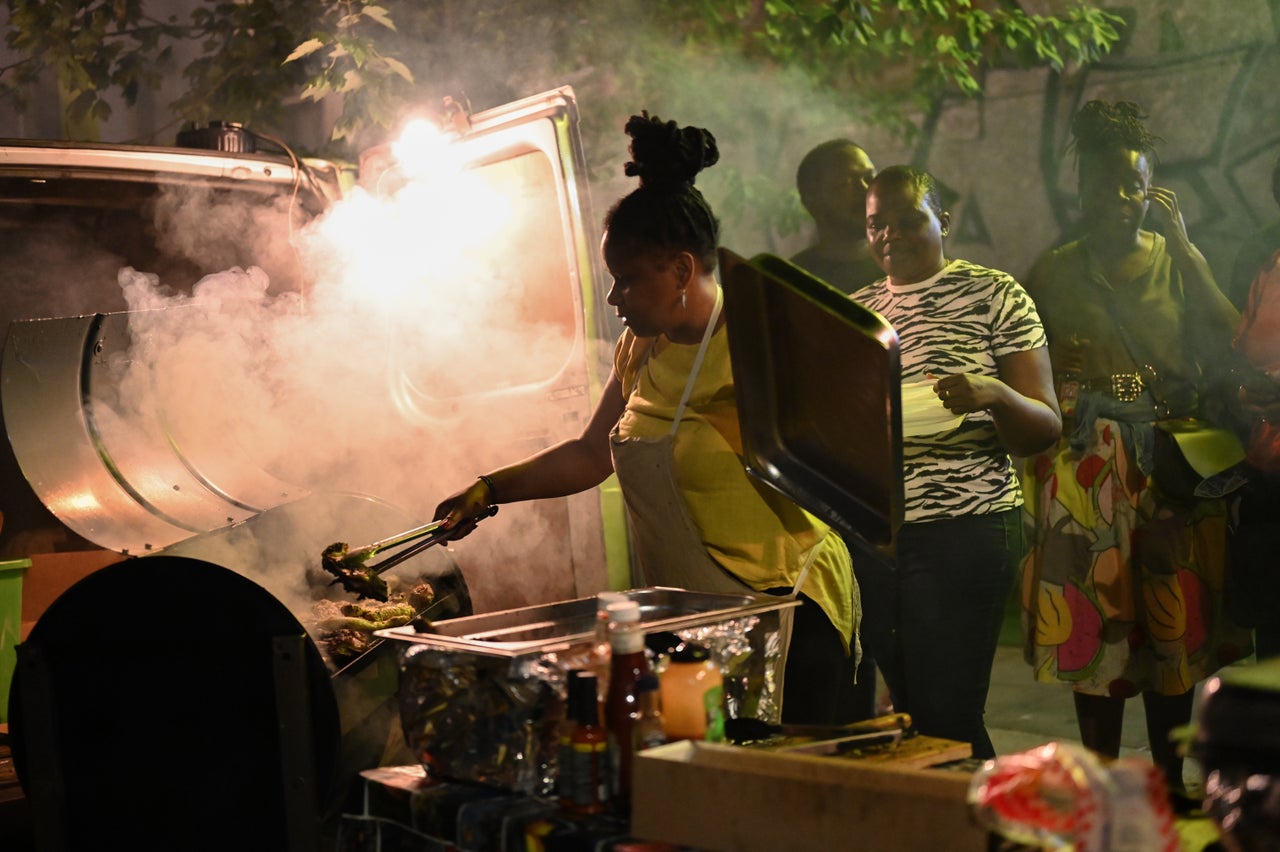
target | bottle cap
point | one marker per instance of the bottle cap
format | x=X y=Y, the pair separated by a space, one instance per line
x=571 y=687
x=585 y=706
x=603 y=599
x=625 y=612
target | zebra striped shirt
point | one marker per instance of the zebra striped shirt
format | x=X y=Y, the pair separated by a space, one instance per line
x=959 y=321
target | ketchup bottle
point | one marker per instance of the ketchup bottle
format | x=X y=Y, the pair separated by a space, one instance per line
x=628 y=664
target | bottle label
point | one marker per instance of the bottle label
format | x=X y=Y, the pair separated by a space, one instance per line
x=565 y=768
x=713 y=703
x=589 y=778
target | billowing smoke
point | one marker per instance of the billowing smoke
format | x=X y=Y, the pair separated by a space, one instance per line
x=418 y=298
x=439 y=335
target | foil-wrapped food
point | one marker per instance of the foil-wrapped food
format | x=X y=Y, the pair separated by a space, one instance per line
x=494 y=719
x=490 y=720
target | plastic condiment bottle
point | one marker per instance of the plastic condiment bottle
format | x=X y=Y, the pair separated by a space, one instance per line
x=564 y=740
x=628 y=664
x=691 y=681
x=650 y=727
x=588 y=752
x=600 y=652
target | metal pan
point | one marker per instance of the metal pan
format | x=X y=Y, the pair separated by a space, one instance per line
x=819 y=395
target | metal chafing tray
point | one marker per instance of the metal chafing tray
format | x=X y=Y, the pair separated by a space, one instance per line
x=819 y=395
x=481 y=697
x=562 y=625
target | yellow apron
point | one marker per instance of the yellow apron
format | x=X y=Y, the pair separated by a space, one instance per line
x=667 y=542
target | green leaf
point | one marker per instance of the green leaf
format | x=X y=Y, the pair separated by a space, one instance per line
x=307 y=48
x=351 y=81
x=398 y=68
x=380 y=15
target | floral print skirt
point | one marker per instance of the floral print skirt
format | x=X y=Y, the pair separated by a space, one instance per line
x=1121 y=593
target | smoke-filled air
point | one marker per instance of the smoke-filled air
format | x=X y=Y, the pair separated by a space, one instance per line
x=418 y=296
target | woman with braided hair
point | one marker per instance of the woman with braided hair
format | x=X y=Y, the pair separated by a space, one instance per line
x=1122 y=588
x=667 y=424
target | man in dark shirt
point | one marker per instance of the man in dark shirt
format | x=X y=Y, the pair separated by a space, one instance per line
x=832 y=179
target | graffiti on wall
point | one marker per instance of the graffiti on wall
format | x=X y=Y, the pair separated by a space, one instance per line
x=1208 y=76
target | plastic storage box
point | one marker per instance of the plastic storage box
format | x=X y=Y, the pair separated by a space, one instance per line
x=11 y=573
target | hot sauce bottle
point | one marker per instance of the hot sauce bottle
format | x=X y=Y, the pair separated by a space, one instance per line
x=564 y=741
x=588 y=785
x=628 y=664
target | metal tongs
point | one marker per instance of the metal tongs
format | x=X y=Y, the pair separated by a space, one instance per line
x=351 y=569
x=830 y=738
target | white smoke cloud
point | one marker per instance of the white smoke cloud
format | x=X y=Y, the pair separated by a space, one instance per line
x=422 y=321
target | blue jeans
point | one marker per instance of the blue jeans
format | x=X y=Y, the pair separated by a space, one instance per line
x=933 y=623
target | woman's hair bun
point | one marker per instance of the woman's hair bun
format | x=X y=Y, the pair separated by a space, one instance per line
x=662 y=152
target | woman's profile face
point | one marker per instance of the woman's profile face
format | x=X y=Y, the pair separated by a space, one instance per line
x=904 y=232
x=1113 y=192
x=645 y=289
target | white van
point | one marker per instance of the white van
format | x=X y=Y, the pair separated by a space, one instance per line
x=96 y=472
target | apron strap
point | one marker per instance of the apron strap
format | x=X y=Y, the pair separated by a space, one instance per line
x=804 y=570
x=697 y=361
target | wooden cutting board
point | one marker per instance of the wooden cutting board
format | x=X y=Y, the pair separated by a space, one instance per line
x=918 y=752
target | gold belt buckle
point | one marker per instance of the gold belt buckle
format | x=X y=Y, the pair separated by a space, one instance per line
x=1127 y=387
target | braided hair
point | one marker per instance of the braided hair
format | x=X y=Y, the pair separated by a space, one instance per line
x=1100 y=127
x=666 y=212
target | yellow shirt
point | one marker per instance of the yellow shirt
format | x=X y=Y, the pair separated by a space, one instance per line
x=750 y=529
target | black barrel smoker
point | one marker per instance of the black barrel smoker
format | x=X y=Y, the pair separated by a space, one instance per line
x=189 y=699
x=186 y=698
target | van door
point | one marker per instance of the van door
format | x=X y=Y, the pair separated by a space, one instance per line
x=529 y=374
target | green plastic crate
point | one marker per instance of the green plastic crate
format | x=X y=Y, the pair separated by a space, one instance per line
x=11 y=573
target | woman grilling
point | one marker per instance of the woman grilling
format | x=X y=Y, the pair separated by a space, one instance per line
x=667 y=424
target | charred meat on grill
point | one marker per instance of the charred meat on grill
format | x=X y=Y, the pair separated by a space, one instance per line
x=353 y=571
x=345 y=628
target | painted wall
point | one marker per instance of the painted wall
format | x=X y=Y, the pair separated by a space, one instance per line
x=1207 y=71
x=1208 y=74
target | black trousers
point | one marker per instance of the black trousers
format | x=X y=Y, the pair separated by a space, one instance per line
x=933 y=623
x=1253 y=574
x=818 y=683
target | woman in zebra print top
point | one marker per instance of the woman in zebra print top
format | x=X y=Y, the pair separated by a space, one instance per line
x=933 y=622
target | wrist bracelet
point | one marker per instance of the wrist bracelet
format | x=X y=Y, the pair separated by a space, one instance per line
x=488 y=483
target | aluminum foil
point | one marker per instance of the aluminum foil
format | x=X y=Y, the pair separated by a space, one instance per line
x=494 y=720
